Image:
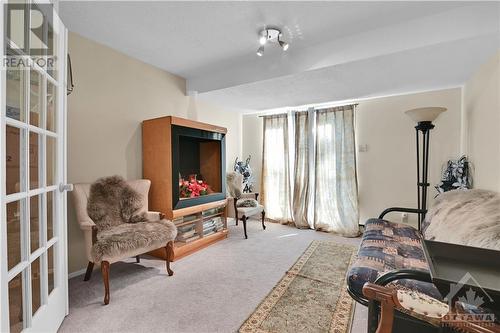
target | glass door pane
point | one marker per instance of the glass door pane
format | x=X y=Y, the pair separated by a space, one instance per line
x=51 y=160
x=36 y=290
x=13 y=159
x=45 y=44
x=14 y=237
x=51 y=209
x=15 y=94
x=16 y=304
x=34 y=160
x=35 y=218
x=36 y=100
x=51 y=266
x=51 y=107
x=52 y=59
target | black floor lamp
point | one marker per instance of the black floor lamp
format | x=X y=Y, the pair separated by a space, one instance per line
x=424 y=118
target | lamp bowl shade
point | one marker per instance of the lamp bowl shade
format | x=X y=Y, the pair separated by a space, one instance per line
x=427 y=114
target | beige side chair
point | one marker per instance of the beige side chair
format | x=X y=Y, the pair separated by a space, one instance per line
x=92 y=238
x=235 y=189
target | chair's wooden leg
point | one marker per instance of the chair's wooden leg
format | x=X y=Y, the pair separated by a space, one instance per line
x=105 y=278
x=244 y=219
x=235 y=211
x=169 y=270
x=88 y=273
x=263 y=219
x=137 y=259
x=169 y=257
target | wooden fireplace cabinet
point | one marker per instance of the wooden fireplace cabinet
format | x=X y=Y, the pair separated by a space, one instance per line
x=160 y=151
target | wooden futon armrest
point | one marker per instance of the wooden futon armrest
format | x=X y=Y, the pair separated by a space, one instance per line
x=422 y=307
x=387 y=298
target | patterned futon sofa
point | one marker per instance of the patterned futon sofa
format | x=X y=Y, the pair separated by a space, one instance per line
x=470 y=218
x=385 y=247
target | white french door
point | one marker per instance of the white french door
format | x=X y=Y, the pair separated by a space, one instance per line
x=33 y=270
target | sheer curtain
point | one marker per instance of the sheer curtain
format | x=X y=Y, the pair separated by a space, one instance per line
x=336 y=197
x=275 y=189
x=301 y=191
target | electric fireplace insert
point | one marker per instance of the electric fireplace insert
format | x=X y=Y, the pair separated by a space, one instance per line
x=198 y=166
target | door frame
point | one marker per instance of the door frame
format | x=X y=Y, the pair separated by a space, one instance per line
x=4 y=283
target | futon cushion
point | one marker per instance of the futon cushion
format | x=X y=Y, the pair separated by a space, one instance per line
x=422 y=306
x=387 y=246
x=473 y=215
x=128 y=237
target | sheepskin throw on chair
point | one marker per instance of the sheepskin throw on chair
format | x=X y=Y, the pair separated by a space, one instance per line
x=115 y=208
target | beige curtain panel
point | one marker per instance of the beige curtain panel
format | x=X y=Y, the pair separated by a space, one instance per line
x=336 y=193
x=276 y=191
x=302 y=190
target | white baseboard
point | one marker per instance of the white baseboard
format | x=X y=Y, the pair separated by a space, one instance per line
x=77 y=273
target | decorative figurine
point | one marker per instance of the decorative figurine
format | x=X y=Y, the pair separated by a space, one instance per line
x=245 y=169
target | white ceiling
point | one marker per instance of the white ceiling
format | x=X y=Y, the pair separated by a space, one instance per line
x=339 y=50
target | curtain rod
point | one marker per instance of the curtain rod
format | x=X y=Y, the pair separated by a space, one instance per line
x=323 y=108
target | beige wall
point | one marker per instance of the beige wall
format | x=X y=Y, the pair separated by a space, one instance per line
x=482 y=109
x=387 y=171
x=252 y=145
x=230 y=119
x=113 y=94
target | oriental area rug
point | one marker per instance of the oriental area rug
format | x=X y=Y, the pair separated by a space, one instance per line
x=311 y=297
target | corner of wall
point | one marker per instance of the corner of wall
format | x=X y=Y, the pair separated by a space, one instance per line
x=464 y=124
x=481 y=109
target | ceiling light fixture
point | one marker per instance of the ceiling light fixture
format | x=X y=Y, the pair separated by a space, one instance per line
x=260 y=51
x=271 y=35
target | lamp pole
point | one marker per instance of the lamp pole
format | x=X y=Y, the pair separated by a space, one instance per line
x=424 y=118
x=422 y=130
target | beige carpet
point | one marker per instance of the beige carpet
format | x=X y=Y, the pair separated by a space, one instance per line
x=311 y=297
x=213 y=290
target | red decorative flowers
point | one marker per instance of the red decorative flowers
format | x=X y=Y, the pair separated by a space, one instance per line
x=192 y=188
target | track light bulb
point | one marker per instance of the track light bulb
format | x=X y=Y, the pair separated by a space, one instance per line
x=263 y=40
x=284 y=45
x=260 y=51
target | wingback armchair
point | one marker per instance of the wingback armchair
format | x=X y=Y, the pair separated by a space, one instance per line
x=241 y=205
x=123 y=240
